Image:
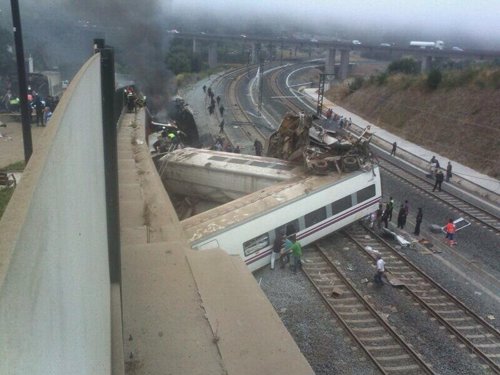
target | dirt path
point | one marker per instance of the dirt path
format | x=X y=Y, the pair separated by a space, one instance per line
x=11 y=140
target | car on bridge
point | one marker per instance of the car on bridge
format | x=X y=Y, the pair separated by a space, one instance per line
x=356 y=42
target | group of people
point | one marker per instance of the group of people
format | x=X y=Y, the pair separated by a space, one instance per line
x=333 y=119
x=450 y=230
x=40 y=109
x=214 y=101
x=434 y=169
x=384 y=215
x=285 y=246
x=168 y=140
x=222 y=144
x=130 y=99
x=437 y=173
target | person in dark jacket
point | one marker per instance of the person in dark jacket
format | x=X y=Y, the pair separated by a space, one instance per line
x=439 y=180
x=385 y=215
x=39 y=107
x=278 y=244
x=420 y=216
x=258 y=147
x=390 y=207
x=394 y=147
x=401 y=217
x=448 y=171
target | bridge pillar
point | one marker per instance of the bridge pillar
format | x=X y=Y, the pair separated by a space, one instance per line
x=426 y=64
x=212 y=55
x=195 y=46
x=344 y=64
x=330 y=62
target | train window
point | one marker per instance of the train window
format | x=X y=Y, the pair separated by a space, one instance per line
x=315 y=217
x=341 y=205
x=366 y=193
x=237 y=161
x=218 y=158
x=292 y=227
x=283 y=167
x=256 y=244
x=259 y=164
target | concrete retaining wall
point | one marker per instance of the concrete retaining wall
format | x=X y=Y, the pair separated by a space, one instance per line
x=54 y=276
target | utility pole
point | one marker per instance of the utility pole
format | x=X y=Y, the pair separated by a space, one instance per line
x=21 y=76
x=321 y=92
x=261 y=81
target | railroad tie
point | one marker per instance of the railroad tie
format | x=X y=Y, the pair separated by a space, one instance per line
x=393 y=357
x=384 y=347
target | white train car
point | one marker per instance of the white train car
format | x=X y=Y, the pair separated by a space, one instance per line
x=310 y=206
x=221 y=176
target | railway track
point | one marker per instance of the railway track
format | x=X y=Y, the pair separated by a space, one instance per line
x=468 y=210
x=463 y=323
x=387 y=350
x=238 y=79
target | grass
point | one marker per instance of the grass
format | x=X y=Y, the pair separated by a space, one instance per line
x=14 y=167
x=5 y=195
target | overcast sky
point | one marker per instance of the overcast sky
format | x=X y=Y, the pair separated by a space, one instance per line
x=479 y=18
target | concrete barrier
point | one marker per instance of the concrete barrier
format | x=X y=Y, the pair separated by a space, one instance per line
x=54 y=275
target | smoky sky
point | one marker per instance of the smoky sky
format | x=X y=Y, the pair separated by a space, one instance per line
x=60 y=32
x=438 y=18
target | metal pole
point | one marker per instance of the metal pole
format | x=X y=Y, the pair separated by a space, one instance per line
x=21 y=75
x=261 y=81
x=110 y=162
x=321 y=92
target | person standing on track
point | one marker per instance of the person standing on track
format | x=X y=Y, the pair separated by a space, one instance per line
x=296 y=254
x=401 y=217
x=380 y=270
x=420 y=216
x=450 y=229
x=390 y=207
x=439 y=180
x=394 y=147
x=278 y=244
x=448 y=171
x=385 y=216
x=258 y=147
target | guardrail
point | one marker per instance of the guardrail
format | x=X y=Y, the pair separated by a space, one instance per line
x=423 y=164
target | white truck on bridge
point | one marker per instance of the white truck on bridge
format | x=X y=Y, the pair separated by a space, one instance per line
x=439 y=44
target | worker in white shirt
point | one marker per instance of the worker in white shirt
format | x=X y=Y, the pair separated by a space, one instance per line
x=380 y=270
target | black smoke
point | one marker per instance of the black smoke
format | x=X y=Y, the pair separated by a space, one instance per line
x=59 y=34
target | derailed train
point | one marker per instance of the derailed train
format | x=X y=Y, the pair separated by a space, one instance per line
x=308 y=205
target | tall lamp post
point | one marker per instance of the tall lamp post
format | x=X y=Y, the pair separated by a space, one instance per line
x=21 y=75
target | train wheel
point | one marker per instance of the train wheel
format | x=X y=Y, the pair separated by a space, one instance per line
x=350 y=163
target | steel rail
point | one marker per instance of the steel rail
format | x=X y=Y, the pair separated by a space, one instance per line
x=385 y=369
x=437 y=287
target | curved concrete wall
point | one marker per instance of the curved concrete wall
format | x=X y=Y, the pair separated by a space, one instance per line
x=54 y=276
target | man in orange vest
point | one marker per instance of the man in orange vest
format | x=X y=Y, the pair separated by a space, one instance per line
x=450 y=232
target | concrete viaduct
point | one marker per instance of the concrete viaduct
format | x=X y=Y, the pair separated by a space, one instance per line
x=344 y=48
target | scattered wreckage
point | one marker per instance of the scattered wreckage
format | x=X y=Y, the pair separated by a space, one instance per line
x=299 y=139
